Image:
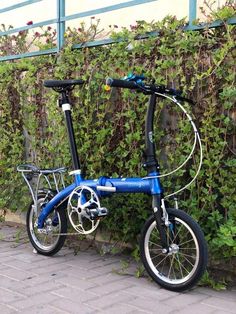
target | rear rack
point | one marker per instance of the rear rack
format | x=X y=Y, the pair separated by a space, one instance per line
x=33 y=177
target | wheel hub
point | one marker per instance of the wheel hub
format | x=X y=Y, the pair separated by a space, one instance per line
x=173 y=249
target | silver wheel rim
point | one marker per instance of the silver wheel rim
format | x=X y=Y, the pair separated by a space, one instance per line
x=42 y=239
x=183 y=261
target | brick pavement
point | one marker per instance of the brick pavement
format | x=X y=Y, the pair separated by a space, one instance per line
x=89 y=283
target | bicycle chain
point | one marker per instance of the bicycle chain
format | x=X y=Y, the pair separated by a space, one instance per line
x=61 y=234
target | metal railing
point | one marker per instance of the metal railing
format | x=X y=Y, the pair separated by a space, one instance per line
x=61 y=18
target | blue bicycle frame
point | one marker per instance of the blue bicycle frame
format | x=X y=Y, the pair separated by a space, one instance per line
x=104 y=186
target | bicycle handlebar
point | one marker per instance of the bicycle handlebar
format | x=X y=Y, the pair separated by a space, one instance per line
x=146 y=88
x=121 y=83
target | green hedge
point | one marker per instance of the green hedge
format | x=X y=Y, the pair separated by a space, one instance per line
x=109 y=126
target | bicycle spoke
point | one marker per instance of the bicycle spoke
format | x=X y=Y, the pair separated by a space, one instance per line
x=161 y=261
x=163 y=265
x=154 y=250
x=156 y=234
x=171 y=264
x=169 y=240
x=174 y=270
x=179 y=229
x=44 y=239
x=156 y=256
x=178 y=261
x=184 y=254
x=183 y=267
x=153 y=243
x=191 y=240
x=186 y=259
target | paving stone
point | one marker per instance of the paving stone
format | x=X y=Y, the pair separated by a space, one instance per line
x=106 y=301
x=100 y=266
x=110 y=287
x=34 y=301
x=14 y=273
x=90 y=283
x=12 y=284
x=49 y=269
x=225 y=294
x=150 y=292
x=124 y=309
x=44 y=287
x=145 y=282
x=150 y=305
x=194 y=309
x=79 y=273
x=79 y=262
x=8 y=296
x=184 y=299
x=17 y=264
x=73 y=307
x=44 y=309
x=76 y=282
x=102 y=270
x=29 y=257
x=4 y=245
x=5 y=309
x=221 y=304
x=9 y=252
x=74 y=294
x=221 y=312
x=101 y=279
x=40 y=261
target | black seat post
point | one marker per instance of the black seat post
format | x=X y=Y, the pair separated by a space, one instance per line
x=64 y=102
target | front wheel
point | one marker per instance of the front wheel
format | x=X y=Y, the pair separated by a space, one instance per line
x=48 y=240
x=185 y=261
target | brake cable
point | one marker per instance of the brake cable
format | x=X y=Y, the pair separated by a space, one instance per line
x=197 y=139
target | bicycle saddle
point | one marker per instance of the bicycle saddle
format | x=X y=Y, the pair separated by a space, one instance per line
x=60 y=85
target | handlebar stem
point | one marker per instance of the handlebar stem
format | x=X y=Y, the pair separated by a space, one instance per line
x=151 y=163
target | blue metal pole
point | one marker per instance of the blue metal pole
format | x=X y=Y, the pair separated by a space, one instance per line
x=60 y=23
x=16 y=6
x=192 y=11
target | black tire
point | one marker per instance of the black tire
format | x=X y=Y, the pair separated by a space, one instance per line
x=40 y=241
x=183 y=266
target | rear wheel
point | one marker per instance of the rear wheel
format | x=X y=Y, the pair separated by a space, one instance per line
x=185 y=261
x=46 y=241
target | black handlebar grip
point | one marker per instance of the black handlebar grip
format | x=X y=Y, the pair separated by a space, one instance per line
x=121 y=83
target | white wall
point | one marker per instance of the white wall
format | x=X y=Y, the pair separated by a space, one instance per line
x=46 y=9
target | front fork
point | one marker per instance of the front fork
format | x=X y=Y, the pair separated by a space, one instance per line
x=162 y=219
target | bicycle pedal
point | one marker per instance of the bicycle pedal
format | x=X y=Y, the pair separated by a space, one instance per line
x=98 y=212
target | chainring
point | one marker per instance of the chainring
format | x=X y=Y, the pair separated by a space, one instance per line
x=81 y=201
